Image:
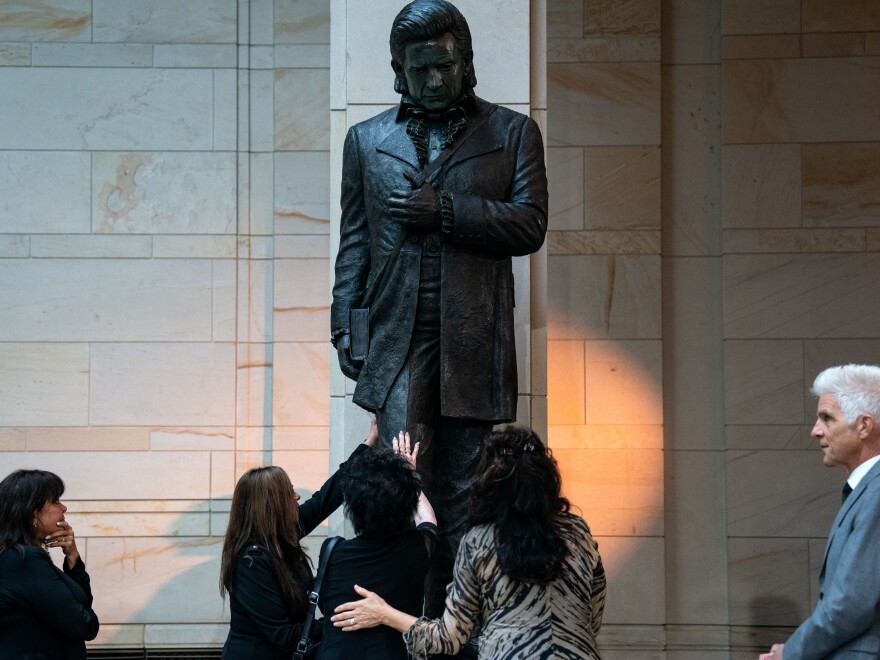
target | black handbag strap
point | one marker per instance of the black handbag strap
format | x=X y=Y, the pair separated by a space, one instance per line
x=424 y=175
x=314 y=596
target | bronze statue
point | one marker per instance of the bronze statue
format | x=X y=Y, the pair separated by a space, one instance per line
x=424 y=263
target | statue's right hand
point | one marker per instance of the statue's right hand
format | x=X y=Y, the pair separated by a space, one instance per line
x=351 y=368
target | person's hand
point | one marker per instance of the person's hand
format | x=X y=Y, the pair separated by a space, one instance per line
x=417 y=209
x=400 y=445
x=360 y=614
x=351 y=368
x=65 y=539
x=775 y=653
x=373 y=435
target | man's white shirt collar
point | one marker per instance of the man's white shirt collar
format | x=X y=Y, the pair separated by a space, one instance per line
x=856 y=475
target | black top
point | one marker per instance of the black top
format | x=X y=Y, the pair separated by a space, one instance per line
x=260 y=626
x=395 y=569
x=44 y=614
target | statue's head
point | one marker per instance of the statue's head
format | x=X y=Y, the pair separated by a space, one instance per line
x=431 y=53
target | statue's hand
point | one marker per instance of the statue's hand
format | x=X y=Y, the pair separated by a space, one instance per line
x=351 y=368
x=417 y=209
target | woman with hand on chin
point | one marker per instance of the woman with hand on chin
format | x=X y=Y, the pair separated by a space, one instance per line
x=44 y=612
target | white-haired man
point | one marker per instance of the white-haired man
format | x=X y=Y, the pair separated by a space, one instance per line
x=845 y=625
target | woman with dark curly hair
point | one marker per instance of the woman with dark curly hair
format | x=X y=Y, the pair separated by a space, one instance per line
x=44 y=612
x=263 y=567
x=528 y=569
x=396 y=535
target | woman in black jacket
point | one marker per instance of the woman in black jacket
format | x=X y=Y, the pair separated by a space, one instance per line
x=45 y=614
x=263 y=566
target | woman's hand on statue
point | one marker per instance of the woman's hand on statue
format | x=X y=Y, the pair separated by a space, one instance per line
x=401 y=446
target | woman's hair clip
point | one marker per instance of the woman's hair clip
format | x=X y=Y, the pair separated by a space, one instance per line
x=529 y=447
x=505 y=451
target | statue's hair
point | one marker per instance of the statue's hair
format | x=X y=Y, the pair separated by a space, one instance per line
x=429 y=19
x=856 y=388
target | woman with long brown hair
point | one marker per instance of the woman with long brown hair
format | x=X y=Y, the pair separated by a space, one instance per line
x=263 y=568
x=528 y=570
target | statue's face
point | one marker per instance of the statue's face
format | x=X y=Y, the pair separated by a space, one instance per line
x=434 y=72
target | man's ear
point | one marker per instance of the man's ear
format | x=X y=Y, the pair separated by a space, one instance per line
x=866 y=426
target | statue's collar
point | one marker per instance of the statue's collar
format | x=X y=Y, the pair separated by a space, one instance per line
x=466 y=105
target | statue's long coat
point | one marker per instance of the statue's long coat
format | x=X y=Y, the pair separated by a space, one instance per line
x=499 y=187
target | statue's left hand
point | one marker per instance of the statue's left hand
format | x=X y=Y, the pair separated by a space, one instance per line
x=417 y=209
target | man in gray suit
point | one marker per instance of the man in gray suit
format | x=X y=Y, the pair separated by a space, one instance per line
x=846 y=622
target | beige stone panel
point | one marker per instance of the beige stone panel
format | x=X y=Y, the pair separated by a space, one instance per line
x=106 y=299
x=769 y=436
x=302 y=56
x=91 y=247
x=692 y=353
x=565 y=18
x=310 y=324
x=851 y=16
x=841 y=184
x=138 y=506
x=873 y=240
x=696 y=537
x=49 y=20
x=832 y=45
x=302 y=296
x=606 y=436
x=599 y=297
x=12 y=246
x=746 y=641
x=565 y=179
x=560 y=243
x=95 y=55
x=299 y=247
x=156 y=580
x=776 y=296
x=302 y=97
x=260 y=191
x=760 y=46
x=13 y=439
x=227 y=114
x=631 y=641
x=302 y=22
x=44 y=384
x=260 y=15
x=621 y=188
x=124 y=475
x=623 y=381
x=189 y=439
x=604 y=49
x=803 y=501
x=565 y=382
x=258 y=130
x=603 y=104
x=254 y=384
x=763 y=382
x=224 y=299
x=88 y=439
x=15 y=54
x=623 y=17
x=817 y=559
x=261 y=57
x=308 y=469
x=163 y=384
x=301 y=384
x=24 y=205
x=168 y=193
x=142 y=524
x=197 y=635
x=619 y=491
x=768 y=583
x=806 y=100
x=302 y=193
x=761 y=186
x=255 y=321
x=107 y=109
x=746 y=241
x=760 y=17
x=296 y=438
x=690 y=160
x=194 y=247
x=119 y=635
x=872 y=43
x=691 y=32
x=635 y=566
x=223 y=479
x=161 y=21
x=202 y=56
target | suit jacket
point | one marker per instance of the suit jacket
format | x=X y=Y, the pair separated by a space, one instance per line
x=499 y=189
x=846 y=622
x=260 y=624
x=45 y=614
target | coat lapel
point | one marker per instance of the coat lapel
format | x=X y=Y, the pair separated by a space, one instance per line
x=398 y=144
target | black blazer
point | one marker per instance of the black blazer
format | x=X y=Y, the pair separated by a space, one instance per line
x=45 y=614
x=260 y=626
